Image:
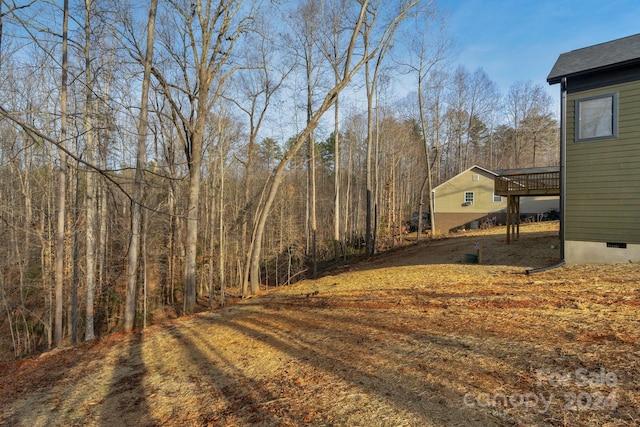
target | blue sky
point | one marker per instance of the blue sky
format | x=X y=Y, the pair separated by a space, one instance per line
x=515 y=40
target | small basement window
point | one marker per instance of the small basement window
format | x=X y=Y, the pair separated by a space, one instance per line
x=497 y=199
x=596 y=117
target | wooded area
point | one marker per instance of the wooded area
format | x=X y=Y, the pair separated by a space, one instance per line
x=157 y=158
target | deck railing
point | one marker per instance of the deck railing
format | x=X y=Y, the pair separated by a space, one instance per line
x=540 y=183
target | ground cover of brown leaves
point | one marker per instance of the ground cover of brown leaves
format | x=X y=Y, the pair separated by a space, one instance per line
x=410 y=338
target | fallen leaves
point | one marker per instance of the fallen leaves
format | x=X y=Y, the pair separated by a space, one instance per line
x=395 y=340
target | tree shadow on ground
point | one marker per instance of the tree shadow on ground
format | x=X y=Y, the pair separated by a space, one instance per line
x=52 y=371
x=380 y=374
x=236 y=395
x=126 y=400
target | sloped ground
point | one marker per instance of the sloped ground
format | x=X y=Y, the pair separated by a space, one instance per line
x=413 y=338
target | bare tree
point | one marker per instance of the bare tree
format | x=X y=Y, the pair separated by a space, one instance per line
x=540 y=131
x=12 y=8
x=427 y=50
x=331 y=47
x=306 y=30
x=62 y=182
x=90 y=195
x=379 y=51
x=483 y=98
x=257 y=82
x=523 y=101
x=136 y=203
x=199 y=43
x=368 y=13
x=236 y=192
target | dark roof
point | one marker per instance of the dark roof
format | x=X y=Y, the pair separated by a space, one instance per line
x=595 y=58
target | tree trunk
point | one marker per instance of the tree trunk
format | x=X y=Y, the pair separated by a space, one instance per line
x=193 y=204
x=102 y=233
x=428 y=179
x=223 y=240
x=145 y=267
x=336 y=182
x=222 y=245
x=62 y=183
x=171 y=242
x=347 y=192
x=210 y=33
x=136 y=206
x=75 y=259
x=313 y=224
x=90 y=197
x=369 y=169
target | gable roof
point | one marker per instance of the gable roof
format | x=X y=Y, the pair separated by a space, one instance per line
x=476 y=167
x=600 y=57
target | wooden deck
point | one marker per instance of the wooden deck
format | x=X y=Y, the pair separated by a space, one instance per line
x=528 y=184
x=514 y=185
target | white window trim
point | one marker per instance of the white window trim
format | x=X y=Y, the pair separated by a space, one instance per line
x=473 y=198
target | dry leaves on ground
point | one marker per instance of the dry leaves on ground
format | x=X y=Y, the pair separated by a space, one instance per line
x=414 y=337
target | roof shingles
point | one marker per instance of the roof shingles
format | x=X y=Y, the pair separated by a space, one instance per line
x=595 y=58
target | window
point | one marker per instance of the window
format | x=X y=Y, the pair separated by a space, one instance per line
x=596 y=117
x=497 y=199
x=468 y=198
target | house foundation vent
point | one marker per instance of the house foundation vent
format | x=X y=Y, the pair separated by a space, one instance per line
x=617 y=245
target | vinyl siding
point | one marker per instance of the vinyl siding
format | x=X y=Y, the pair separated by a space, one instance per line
x=449 y=199
x=450 y=195
x=603 y=177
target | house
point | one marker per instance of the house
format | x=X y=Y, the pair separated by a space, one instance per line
x=600 y=151
x=468 y=201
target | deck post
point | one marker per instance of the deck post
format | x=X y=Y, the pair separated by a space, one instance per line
x=508 y=220
x=513 y=218
x=517 y=202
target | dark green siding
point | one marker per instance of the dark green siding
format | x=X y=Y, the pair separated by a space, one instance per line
x=603 y=177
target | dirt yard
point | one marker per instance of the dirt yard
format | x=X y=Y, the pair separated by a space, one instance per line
x=415 y=337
